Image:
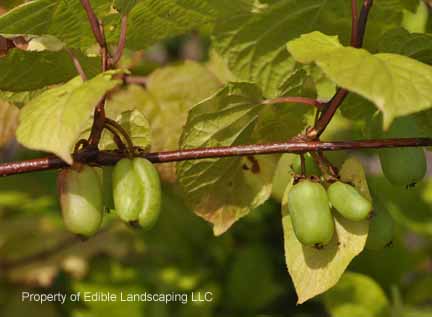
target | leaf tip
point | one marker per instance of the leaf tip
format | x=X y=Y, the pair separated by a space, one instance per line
x=387 y=121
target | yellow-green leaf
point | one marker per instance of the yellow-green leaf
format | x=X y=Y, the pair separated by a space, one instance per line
x=53 y=120
x=8 y=121
x=398 y=85
x=315 y=271
x=222 y=190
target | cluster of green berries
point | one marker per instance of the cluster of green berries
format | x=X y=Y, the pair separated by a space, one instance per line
x=134 y=187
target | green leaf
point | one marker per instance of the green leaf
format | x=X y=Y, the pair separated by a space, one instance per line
x=424 y=122
x=124 y=6
x=165 y=102
x=219 y=68
x=278 y=123
x=222 y=190
x=53 y=121
x=22 y=71
x=125 y=112
x=415 y=45
x=19 y=99
x=310 y=47
x=411 y=5
x=409 y=208
x=224 y=8
x=315 y=271
x=8 y=122
x=64 y=19
x=385 y=15
x=135 y=124
x=398 y=85
x=356 y=292
x=283 y=175
x=153 y=20
x=262 y=59
x=8 y=4
x=36 y=43
x=364 y=114
x=416 y=22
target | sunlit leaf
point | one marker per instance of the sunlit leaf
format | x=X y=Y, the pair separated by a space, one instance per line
x=222 y=190
x=53 y=121
x=398 y=85
x=22 y=71
x=315 y=271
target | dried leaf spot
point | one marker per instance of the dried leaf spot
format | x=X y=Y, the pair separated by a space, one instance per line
x=255 y=168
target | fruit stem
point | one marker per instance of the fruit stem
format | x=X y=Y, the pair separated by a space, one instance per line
x=123 y=132
x=303 y=165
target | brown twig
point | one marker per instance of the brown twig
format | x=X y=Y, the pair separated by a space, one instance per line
x=122 y=132
x=328 y=114
x=77 y=64
x=101 y=158
x=104 y=49
x=332 y=169
x=302 y=165
x=363 y=18
x=118 y=141
x=94 y=23
x=330 y=109
x=302 y=100
x=135 y=80
x=98 y=32
x=98 y=123
x=354 y=23
x=321 y=165
x=122 y=41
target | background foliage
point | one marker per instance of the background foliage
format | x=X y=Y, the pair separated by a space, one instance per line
x=209 y=66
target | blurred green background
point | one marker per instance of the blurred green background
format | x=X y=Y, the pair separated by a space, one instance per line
x=244 y=269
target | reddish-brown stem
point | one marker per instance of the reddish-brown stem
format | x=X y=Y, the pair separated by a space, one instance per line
x=302 y=165
x=354 y=23
x=364 y=14
x=94 y=23
x=302 y=100
x=98 y=32
x=332 y=169
x=328 y=114
x=77 y=64
x=98 y=123
x=95 y=157
x=330 y=109
x=118 y=141
x=104 y=49
x=135 y=80
x=122 y=41
x=122 y=131
x=321 y=165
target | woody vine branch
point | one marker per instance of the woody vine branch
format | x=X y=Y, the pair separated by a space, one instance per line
x=307 y=142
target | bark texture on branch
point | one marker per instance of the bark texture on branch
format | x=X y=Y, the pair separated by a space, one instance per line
x=101 y=158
